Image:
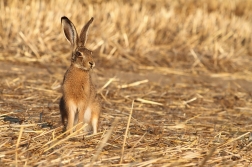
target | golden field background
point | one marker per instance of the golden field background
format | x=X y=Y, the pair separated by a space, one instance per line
x=214 y=36
x=186 y=64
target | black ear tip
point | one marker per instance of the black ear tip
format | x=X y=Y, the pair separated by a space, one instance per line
x=92 y=18
x=63 y=18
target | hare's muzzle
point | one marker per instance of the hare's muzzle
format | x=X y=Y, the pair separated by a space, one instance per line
x=92 y=64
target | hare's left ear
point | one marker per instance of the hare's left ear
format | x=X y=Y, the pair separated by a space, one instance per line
x=84 y=31
x=69 y=31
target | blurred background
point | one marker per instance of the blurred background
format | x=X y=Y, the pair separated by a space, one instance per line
x=192 y=35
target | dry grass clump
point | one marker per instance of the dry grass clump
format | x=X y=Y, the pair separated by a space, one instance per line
x=174 y=77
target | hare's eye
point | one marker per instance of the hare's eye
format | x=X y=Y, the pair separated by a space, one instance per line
x=77 y=54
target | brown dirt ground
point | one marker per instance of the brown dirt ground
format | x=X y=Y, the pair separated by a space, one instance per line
x=204 y=110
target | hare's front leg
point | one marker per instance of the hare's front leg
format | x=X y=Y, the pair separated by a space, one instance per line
x=80 y=122
x=87 y=119
x=95 y=116
x=95 y=124
x=72 y=109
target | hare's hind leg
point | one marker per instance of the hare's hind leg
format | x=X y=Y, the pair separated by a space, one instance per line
x=63 y=111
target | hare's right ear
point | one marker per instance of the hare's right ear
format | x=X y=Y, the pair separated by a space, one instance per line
x=69 y=31
x=84 y=32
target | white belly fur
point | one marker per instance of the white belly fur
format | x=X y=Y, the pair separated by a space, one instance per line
x=87 y=115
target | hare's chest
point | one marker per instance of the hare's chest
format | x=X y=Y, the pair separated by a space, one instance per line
x=76 y=90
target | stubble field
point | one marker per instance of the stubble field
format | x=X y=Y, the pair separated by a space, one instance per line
x=174 y=78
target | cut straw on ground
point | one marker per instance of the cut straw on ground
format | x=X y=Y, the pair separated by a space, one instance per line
x=133 y=84
x=148 y=102
x=103 y=142
x=187 y=65
x=126 y=133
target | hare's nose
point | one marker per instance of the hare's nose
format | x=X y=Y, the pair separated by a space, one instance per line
x=92 y=64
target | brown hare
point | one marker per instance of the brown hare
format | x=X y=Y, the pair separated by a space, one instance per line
x=79 y=103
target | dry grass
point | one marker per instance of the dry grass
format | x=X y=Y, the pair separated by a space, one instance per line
x=185 y=64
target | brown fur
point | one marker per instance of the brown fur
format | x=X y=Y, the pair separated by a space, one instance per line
x=79 y=98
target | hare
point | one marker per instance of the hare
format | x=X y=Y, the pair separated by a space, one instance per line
x=79 y=102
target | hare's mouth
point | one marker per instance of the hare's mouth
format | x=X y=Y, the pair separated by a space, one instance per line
x=92 y=66
x=82 y=67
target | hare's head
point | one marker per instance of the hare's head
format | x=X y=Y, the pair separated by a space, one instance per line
x=81 y=56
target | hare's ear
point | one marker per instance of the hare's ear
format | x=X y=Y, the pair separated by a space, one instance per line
x=84 y=31
x=69 y=31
